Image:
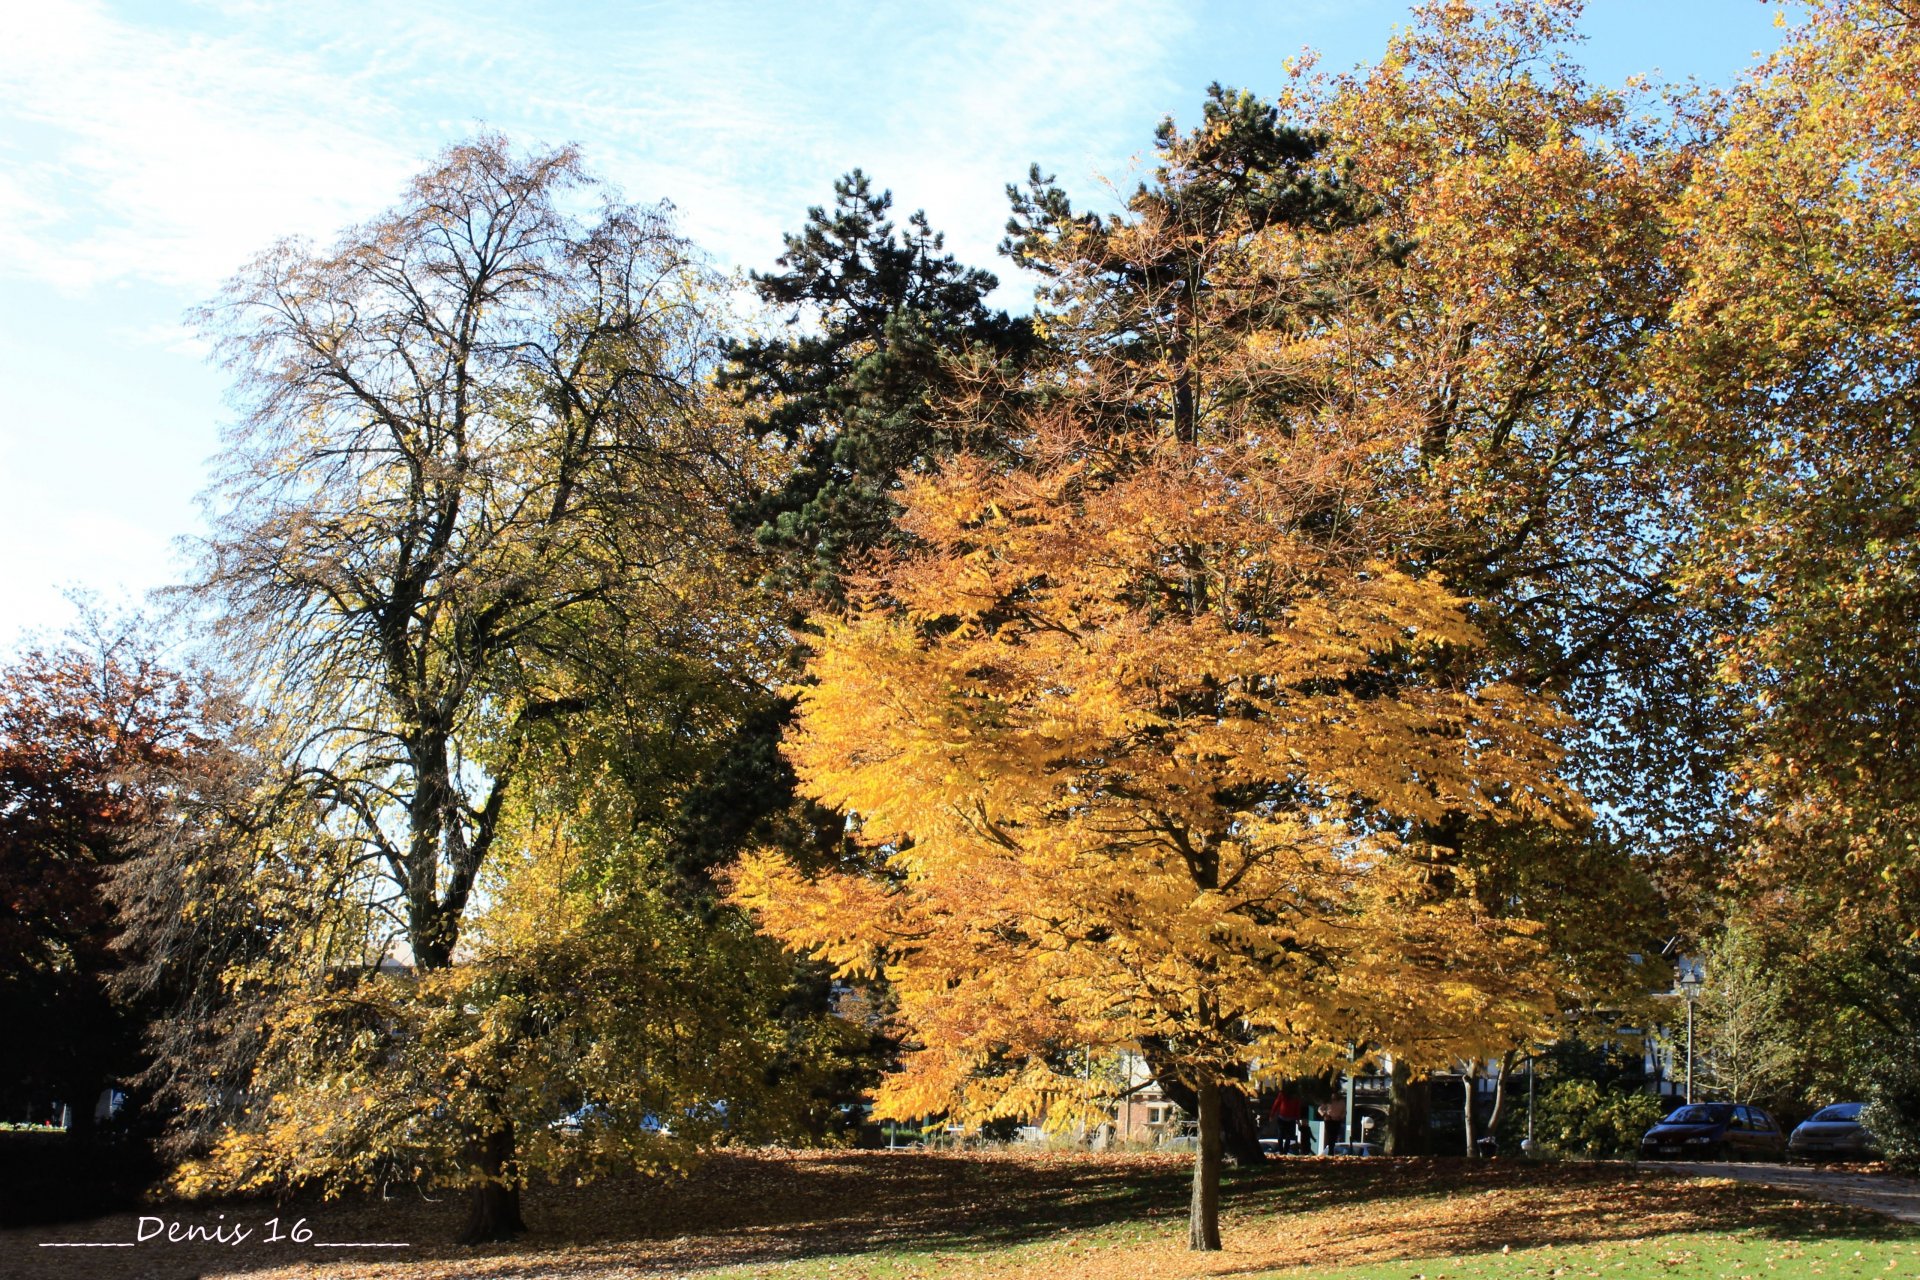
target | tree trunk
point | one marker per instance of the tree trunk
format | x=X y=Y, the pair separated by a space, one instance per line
x=1467 y=1080
x=1203 y=1219
x=1186 y=420
x=1240 y=1119
x=1409 y=1103
x=494 y=1216
x=1240 y=1126
x=80 y=1124
x=1500 y=1095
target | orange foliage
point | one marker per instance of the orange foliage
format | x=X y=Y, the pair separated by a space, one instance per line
x=1146 y=736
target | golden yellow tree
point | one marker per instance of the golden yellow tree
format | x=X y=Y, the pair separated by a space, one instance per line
x=1144 y=736
x=1794 y=377
x=1464 y=245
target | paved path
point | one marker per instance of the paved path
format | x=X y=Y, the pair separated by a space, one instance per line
x=1895 y=1197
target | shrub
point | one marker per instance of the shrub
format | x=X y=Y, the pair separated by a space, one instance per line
x=1893 y=1104
x=1581 y=1118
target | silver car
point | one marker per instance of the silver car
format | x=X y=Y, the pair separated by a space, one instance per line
x=1832 y=1133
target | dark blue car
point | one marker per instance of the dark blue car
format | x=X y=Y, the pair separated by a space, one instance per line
x=1714 y=1131
x=1833 y=1133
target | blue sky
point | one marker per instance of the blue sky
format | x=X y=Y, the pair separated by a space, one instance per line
x=148 y=149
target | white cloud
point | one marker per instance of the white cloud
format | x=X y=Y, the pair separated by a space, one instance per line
x=169 y=156
x=147 y=150
x=172 y=336
x=171 y=153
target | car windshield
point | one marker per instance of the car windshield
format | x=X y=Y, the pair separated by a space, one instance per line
x=1839 y=1111
x=1714 y=1113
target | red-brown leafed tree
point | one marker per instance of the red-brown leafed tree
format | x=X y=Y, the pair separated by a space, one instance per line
x=95 y=736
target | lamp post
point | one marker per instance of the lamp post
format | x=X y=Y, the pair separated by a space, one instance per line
x=1353 y=1056
x=1690 y=983
x=1527 y=1146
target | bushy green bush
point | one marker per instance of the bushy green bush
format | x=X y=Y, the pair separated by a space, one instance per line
x=1892 y=1115
x=1581 y=1118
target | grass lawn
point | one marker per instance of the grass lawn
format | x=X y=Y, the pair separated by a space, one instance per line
x=853 y=1215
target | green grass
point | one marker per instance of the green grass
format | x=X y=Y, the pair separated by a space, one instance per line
x=1564 y=1222
x=1736 y=1256
x=1679 y=1257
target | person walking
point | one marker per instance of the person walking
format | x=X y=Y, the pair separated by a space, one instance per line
x=1333 y=1120
x=1290 y=1119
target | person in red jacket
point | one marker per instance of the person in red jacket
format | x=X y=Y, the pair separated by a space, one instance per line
x=1289 y=1114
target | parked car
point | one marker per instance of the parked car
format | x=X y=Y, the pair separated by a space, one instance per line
x=593 y=1113
x=577 y=1120
x=1714 y=1131
x=1833 y=1133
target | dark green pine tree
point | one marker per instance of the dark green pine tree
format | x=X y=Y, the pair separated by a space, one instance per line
x=877 y=322
x=1239 y=166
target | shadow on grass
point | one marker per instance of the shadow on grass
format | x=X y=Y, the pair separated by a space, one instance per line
x=745 y=1209
x=751 y=1209
x=1379 y=1210
x=738 y=1209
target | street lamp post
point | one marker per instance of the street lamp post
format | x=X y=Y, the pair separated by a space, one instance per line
x=1690 y=982
x=1353 y=1057
x=1527 y=1146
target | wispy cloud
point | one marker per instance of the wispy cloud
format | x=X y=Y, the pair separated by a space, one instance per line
x=148 y=148
x=170 y=155
x=168 y=145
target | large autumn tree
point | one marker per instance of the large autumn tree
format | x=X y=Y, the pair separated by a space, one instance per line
x=598 y=1021
x=1794 y=387
x=1147 y=733
x=1145 y=313
x=1529 y=281
x=469 y=438
x=1461 y=256
x=474 y=457
x=1472 y=237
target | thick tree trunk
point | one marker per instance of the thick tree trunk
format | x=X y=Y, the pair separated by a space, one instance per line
x=1240 y=1126
x=1409 y=1102
x=494 y=1215
x=1240 y=1119
x=1203 y=1219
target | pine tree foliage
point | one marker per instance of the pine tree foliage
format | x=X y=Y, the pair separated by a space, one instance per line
x=875 y=321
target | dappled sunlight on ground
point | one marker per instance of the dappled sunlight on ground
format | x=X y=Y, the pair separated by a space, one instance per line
x=898 y=1214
